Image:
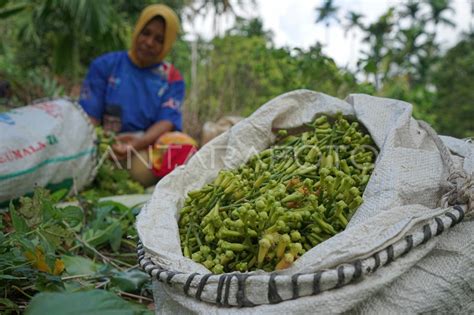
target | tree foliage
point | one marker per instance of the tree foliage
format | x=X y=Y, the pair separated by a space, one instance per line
x=454 y=106
x=241 y=73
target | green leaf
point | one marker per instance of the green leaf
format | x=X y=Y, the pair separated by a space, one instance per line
x=76 y=286
x=11 y=11
x=77 y=265
x=72 y=215
x=59 y=195
x=56 y=234
x=102 y=214
x=32 y=208
x=9 y=277
x=130 y=281
x=50 y=212
x=371 y=66
x=26 y=244
x=18 y=222
x=94 y=302
x=96 y=238
x=115 y=238
x=48 y=282
x=114 y=204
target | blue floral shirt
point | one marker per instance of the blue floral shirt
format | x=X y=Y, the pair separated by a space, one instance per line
x=144 y=95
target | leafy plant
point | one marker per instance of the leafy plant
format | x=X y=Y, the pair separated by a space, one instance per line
x=453 y=80
x=44 y=248
x=111 y=179
x=98 y=302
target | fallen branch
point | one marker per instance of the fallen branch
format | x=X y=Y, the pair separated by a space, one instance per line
x=134 y=296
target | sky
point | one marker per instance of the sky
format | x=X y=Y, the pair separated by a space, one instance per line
x=292 y=23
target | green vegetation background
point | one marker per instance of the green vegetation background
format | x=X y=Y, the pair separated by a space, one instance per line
x=47 y=46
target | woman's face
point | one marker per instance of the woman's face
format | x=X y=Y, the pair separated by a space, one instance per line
x=150 y=42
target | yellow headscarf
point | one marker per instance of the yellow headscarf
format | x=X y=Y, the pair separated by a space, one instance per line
x=171 y=29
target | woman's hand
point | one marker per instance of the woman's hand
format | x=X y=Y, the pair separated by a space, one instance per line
x=127 y=142
x=126 y=138
x=124 y=143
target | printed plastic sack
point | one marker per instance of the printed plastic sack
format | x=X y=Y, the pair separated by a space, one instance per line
x=48 y=144
x=408 y=249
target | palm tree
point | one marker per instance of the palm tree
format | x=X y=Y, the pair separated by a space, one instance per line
x=326 y=14
x=354 y=22
x=413 y=43
x=218 y=9
x=251 y=28
x=417 y=47
x=378 y=58
x=411 y=9
x=428 y=56
x=408 y=53
x=438 y=8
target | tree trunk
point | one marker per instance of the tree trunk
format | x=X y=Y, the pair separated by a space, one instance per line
x=194 y=57
x=327 y=34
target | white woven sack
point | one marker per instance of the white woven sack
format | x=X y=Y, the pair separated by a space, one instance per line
x=400 y=253
x=49 y=143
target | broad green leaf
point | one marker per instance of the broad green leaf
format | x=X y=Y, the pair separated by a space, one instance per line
x=7 y=12
x=50 y=212
x=59 y=195
x=76 y=286
x=32 y=209
x=130 y=281
x=97 y=237
x=114 y=204
x=371 y=66
x=77 y=265
x=49 y=283
x=72 y=215
x=18 y=222
x=104 y=232
x=94 y=302
x=56 y=234
x=102 y=213
x=115 y=238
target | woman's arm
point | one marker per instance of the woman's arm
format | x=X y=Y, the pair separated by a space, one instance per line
x=94 y=87
x=140 y=142
x=152 y=134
